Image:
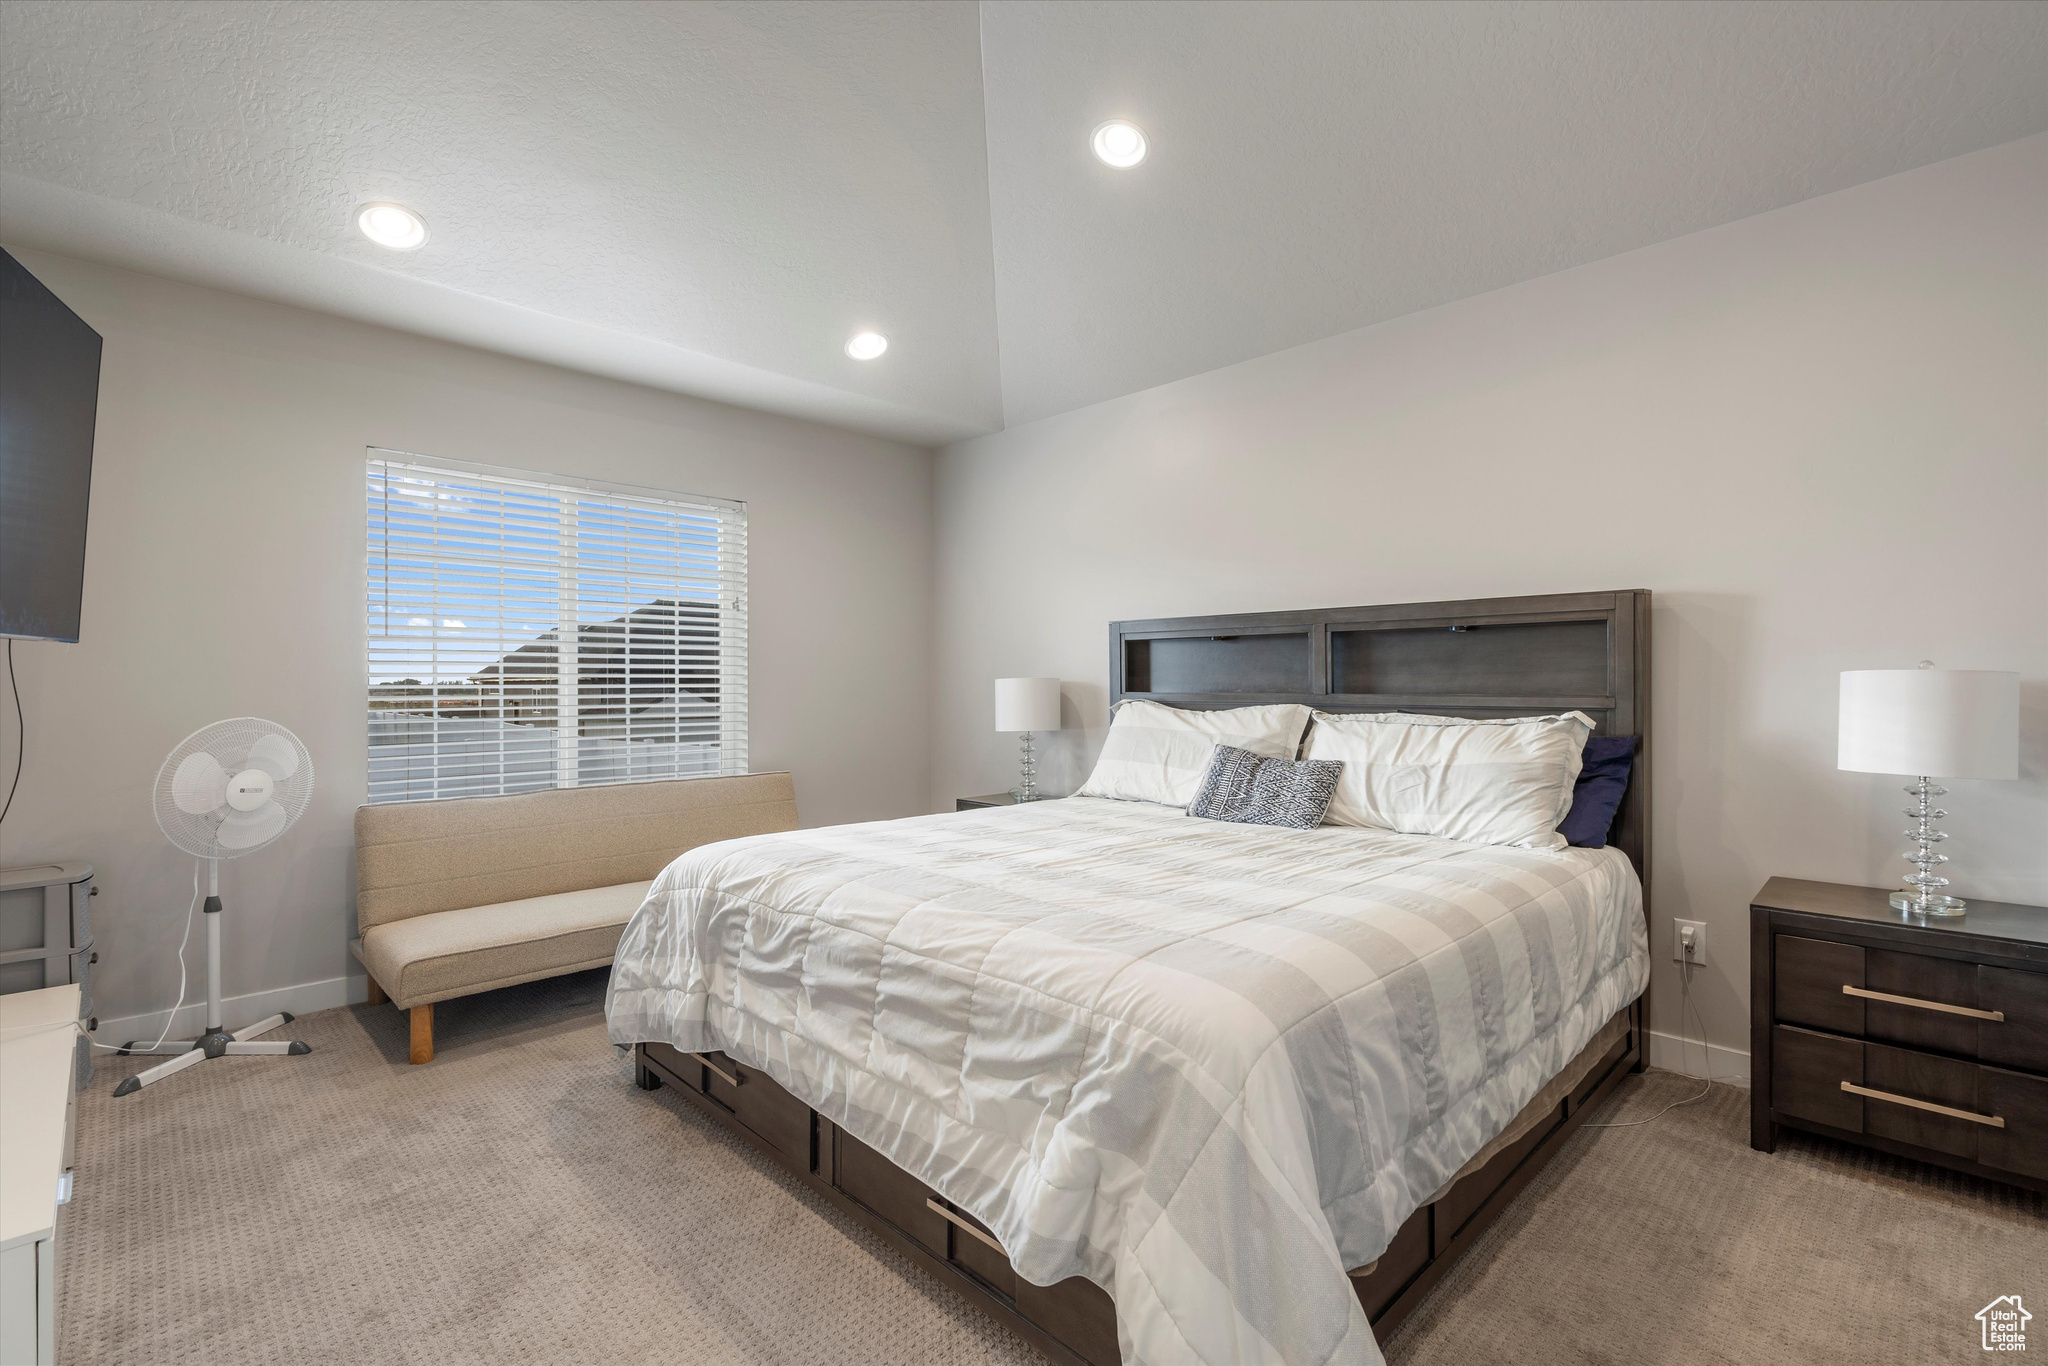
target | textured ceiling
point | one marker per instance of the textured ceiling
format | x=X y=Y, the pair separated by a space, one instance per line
x=712 y=197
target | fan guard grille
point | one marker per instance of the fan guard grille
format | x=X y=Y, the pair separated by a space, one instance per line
x=230 y=743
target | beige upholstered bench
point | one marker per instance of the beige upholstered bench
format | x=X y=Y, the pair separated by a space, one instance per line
x=456 y=897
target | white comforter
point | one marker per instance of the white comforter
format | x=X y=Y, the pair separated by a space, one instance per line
x=1208 y=1066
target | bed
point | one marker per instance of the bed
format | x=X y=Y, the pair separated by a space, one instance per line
x=1266 y=1085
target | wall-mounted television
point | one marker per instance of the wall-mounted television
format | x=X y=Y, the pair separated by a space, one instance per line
x=49 y=396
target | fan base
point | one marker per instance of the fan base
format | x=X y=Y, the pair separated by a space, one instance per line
x=216 y=1043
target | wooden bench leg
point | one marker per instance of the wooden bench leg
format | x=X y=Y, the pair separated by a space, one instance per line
x=377 y=996
x=423 y=1033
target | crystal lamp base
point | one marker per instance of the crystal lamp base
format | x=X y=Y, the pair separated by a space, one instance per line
x=1027 y=790
x=1922 y=894
x=1910 y=901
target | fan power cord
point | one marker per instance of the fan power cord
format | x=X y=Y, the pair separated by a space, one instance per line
x=1686 y=1007
x=172 y=1018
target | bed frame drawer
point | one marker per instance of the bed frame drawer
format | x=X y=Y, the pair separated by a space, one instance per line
x=973 y=1247
x=1406 y=1255
x=1456 y=1206
x=1077 y=1312
x=889 y=1191
x=686 y=1068
x=1969 y=1010
x=760 y=1104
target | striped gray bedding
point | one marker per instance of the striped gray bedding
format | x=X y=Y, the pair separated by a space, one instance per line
x=1207 y=1065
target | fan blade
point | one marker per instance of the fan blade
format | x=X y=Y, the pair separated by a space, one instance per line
x=200 y=784
x=247 y=829
x=275 y=755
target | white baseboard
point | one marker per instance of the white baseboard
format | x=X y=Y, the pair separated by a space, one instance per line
x=1674 y=1054
x=1667 y=1051
x=236 y=1011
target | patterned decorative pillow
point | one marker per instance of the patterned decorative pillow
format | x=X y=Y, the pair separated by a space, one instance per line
x=1244 y=787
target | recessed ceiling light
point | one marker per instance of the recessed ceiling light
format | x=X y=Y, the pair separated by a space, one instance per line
x=1118 y=143
x=867 y=345
x=392 y=225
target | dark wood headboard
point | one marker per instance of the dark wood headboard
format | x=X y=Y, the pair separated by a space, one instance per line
x=1586 y=652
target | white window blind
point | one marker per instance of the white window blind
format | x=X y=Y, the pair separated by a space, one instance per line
x=528 y=632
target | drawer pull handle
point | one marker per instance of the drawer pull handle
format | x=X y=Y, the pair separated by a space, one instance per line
x=730 y=1079
x=1996 y=1016
x=1995 y=1121
x=936 y=1208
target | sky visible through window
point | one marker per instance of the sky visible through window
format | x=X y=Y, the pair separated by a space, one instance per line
x=461 y=574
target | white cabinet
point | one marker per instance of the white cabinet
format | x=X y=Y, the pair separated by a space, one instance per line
x=38 y=1124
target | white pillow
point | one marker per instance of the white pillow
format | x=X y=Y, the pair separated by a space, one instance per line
x=1157 y=753
x=1486 y=782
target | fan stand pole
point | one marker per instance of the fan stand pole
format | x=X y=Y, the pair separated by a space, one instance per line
x=216 y=1041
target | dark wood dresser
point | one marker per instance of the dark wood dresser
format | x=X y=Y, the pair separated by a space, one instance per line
x=1925 y=1038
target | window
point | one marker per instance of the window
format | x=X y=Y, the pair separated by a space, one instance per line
x=529 y=632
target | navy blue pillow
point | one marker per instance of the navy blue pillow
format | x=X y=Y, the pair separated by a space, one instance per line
x=1603 y=777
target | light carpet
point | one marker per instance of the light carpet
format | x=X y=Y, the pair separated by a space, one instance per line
x=517 y=1200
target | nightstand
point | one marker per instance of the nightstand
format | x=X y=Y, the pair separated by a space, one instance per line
x=1924 y=1038
x=992 y=799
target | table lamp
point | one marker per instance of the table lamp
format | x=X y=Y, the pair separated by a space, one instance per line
x=1027 y=705
x=1930 y=723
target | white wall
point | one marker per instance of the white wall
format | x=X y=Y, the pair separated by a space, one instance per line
x=225 y=577
x=1817 y=435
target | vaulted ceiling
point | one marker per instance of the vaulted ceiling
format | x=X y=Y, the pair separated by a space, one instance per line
x=712 y=198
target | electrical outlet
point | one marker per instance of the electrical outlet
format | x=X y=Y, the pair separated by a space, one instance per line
x=1698 y=956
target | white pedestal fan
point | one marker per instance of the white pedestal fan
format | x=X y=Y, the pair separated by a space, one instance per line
x=227 y=790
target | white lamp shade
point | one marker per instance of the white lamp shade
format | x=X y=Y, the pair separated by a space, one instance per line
x=1932 y=723
x=1027 y=704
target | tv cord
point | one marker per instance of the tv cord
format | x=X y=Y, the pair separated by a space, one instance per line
x=20 y=731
